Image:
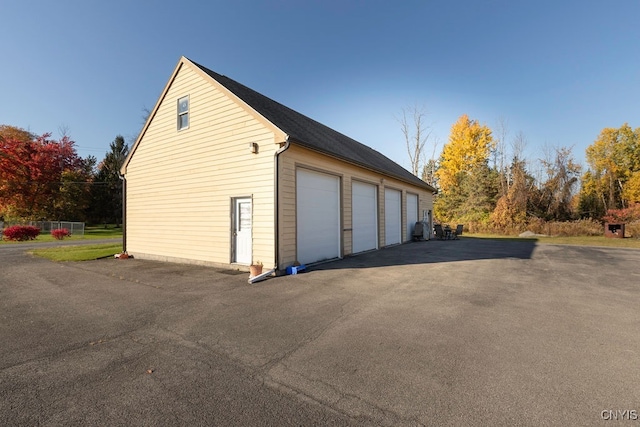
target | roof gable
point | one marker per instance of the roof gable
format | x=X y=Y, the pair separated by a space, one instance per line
x=300 y=129
x=311 y=134
x=182 y=63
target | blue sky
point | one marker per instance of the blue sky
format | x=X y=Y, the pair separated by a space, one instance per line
x=557 y=71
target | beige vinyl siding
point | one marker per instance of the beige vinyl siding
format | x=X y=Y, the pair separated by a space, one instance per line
x=297 y=156
x=180 y=183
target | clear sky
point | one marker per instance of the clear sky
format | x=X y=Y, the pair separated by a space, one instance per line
x=558 y=71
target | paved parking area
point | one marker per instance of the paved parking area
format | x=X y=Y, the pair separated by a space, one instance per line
x=468 y=332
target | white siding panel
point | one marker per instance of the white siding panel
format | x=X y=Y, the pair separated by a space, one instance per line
x=181 y=184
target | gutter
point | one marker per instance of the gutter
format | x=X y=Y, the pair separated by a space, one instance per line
x=276 y=205
x=124 y=211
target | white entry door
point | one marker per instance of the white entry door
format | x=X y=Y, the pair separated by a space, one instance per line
x=242 y=231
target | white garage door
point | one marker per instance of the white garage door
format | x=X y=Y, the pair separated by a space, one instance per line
x=364 y=205
x=392 y=217
x=318 y=216
x=412 y=214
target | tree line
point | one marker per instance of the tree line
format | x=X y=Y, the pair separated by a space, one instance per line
x=42 y=178
x=481 y=176
x=483 y=179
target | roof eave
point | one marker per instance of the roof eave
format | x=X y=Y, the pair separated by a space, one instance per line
x=280 y=135
x=181 y=62
x=307 y=146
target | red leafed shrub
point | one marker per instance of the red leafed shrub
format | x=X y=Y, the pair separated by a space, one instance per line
x=20 y=232
x=626 y=215
x=60 y=233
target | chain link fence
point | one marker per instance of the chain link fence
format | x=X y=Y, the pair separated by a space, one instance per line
x=75 y=228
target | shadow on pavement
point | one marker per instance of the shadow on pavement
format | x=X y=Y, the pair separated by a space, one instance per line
x=435 y=251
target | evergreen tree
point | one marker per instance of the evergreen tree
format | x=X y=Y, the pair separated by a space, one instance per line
x=107 y=192
x=468 y=188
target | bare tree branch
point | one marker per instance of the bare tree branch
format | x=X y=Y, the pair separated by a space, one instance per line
x=416 y=134
x=63 y=130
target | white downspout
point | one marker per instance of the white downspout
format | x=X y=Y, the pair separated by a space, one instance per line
x=276 y=205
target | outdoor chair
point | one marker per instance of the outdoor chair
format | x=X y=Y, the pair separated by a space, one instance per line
x=458 y=231
x=418 y=231
x=439 y=231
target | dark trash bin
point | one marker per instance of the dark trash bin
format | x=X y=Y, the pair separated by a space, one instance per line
x=613 y=230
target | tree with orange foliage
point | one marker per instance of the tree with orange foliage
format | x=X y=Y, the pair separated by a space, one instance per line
x=469 y=146
x=614 y=159
x=466 y=190
x=31 y=172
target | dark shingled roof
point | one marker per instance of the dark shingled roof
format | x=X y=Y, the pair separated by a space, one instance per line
x=314 y=135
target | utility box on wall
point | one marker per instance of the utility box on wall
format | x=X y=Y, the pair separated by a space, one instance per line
x=615 y=231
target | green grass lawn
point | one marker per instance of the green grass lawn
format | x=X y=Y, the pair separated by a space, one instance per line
x=577 y=240
x=92 y=232
x=102 y=232
x=91 y=252
x=78 y=253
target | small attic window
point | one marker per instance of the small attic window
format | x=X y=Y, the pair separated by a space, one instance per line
x=183 y=112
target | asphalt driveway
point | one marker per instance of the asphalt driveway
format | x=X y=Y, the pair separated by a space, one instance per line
x=468 y=332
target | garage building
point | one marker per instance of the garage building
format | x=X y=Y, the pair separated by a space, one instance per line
x=222 y=175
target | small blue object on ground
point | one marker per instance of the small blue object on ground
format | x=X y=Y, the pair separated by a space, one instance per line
x=295 y=269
